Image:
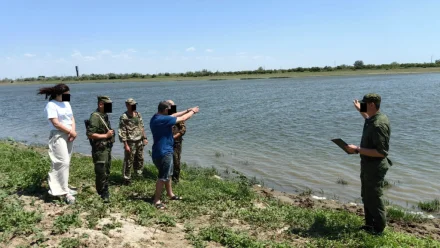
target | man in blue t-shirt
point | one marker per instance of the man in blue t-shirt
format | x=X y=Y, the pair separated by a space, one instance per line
x=161 y=127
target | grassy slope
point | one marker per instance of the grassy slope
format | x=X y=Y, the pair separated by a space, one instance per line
x=226 y=212
x=245 y=76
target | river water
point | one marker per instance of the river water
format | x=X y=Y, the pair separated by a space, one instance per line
x=278 y=130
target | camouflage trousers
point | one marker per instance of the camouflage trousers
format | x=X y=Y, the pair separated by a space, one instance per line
x=133 y=159
x=176 y=161
x=372 y=182
x=103 y=161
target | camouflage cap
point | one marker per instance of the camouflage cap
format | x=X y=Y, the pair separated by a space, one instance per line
x=372 y=97
x=105 y=99
x=130 y=101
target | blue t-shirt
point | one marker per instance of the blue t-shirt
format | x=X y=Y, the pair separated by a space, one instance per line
x=162 y=128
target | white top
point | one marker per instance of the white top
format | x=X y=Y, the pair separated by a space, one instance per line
x=60 y=110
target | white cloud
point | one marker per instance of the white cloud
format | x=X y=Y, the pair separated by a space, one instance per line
x=89 y=58
x=241 y=53
x=209 y=50
x=78 y=55
x=190 y=49
x=60 y=60
x=48 y=55
x=257 y=57
x=29 y=55
x=123 y=55
x=105 y=52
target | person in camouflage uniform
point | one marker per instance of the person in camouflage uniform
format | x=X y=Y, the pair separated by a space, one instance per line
x=132 y=135
x=101 y=136
x=178 y=131
x=373 y=151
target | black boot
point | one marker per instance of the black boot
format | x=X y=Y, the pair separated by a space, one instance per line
x=366 y=228
x=105 y=197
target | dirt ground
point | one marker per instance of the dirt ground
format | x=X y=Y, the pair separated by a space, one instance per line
x=129 y=234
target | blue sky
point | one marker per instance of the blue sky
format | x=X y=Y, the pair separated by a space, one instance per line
x=51 y=37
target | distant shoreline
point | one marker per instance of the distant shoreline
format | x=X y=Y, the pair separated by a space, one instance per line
x=277 y=75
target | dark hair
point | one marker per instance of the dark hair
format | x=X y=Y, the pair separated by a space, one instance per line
x=162 y=106
x=377 y=105
x=53 y=91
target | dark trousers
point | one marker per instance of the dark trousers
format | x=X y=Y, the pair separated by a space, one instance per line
x=372 y=182
x=176 y=161
x=102 y=161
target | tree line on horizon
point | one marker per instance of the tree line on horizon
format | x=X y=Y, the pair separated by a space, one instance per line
x=358 y=65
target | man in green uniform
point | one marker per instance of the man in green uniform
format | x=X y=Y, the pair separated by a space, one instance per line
x=132 y=135
x=101 y=135
x=374 y=162
x=178 y=131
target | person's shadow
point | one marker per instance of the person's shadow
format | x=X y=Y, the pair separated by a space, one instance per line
x=322 y=228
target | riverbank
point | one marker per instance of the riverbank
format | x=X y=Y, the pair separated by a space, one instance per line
x=232 y=211
x=246 y=76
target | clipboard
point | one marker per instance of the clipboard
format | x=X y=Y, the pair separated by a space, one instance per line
x=341 y=144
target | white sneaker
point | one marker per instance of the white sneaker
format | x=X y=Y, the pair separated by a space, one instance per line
x=70 y=199
x=73 y=192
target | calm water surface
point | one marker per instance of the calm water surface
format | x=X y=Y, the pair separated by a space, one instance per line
x=276 y=130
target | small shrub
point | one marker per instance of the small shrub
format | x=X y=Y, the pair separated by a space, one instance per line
x=341 y=181
x=401 y=215
x=63 y=223
x=70 y=243
x=306 y=192
x=430 y=206
x=166 y=220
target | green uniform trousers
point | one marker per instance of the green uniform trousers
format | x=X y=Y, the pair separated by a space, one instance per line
x=176 y=161
x=102 y=160
x=372 y=182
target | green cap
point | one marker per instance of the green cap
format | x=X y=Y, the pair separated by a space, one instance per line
x=130 y=101
x=371 y=97
x=105 y=99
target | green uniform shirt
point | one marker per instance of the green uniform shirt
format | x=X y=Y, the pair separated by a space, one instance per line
x=97 y=126
x=376 y=135
x=130 y=127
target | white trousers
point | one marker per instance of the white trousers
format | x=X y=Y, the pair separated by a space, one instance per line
x=60 y=152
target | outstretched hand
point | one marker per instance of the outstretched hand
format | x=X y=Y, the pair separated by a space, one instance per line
x=357 y=104
x=195 y=109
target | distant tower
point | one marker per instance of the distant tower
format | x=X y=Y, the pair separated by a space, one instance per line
x=77 y=71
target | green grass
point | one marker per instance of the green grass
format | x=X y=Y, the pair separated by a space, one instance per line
x=430 y=206
x=70 y=243
x=63 y=223
x=14 y=219
x=226 y=212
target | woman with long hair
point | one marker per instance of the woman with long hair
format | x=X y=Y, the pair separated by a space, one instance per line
x=62 y=134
